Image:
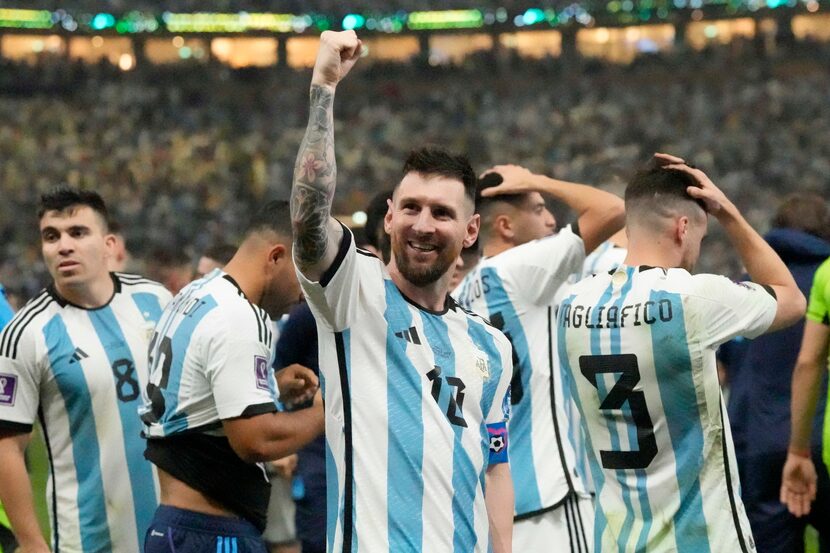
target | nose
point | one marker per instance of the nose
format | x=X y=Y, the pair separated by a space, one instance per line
x=66 y=244
x=424 y=222
x=550 y=220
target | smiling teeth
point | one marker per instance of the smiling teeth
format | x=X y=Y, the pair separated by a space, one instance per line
x=423 y=248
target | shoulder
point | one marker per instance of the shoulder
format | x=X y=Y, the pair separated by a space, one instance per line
x=132 y=283
x=234 y=316
x=26 y=323
x=473 y=318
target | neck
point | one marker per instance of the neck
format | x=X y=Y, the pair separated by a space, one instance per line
x=495 y=247
x=248 y=277
x=432 y=296
x=88 y=295
x=652 y=252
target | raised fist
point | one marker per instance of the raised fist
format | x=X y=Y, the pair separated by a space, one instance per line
x=338 y=53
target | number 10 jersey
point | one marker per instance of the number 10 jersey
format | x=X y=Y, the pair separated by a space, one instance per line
x=639 y=347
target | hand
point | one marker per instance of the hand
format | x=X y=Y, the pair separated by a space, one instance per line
x=798 y=484
x=338 y=53
x=712 y=197
x=285 y=467
x=296 y=383
x=515 y=180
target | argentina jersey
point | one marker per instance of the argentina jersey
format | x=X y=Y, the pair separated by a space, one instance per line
x=210 y=359
x=80 y=372
x=639 y=346
x=416 y=409
x=514 y=290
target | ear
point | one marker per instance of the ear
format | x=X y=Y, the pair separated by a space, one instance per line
x=681 y=229
x=504 y=227
x=387 y=219
x=277 y=253
x=473 y=226
x=110 y=241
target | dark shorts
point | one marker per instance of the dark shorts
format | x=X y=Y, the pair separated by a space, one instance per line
x=775 y=530
x=176 y=530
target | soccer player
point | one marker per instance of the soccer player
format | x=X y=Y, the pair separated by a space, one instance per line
x=75 y=358
x=414 y=385
x=799 y=479
x=639 y=345
x=210 y=410
x=525 y=262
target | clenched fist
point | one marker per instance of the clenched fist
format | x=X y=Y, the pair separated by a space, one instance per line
x=338 y=53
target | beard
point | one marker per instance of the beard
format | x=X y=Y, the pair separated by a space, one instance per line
x=419 y=274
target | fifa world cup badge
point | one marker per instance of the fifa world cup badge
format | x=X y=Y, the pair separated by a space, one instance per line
x=483 y=367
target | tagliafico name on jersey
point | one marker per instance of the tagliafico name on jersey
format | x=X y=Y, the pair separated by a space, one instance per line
x=614 y=316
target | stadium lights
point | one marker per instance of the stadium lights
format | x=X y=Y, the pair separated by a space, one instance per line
x=235 y=22
x=26 y=19
x=448 y=19
x=353 y=21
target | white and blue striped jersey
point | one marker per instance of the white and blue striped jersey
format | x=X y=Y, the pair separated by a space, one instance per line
x=80 y=372
x=639 y=345
x=514 y=290
x=210 y=359
x=416 y=406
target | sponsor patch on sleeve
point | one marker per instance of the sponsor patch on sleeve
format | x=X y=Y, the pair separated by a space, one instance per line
x=8 y=389
x=261 y=368
x=497 y=433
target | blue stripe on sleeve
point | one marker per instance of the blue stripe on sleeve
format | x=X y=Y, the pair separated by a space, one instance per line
x=92 y=509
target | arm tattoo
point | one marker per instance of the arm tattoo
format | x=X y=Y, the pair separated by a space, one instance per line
x=315 y=174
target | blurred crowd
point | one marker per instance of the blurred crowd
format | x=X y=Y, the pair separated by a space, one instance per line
x=180 y=152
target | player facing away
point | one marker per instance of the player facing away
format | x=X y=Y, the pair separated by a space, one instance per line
x=76 y=358
x=416 y=389
x=639 y=344
x=210 y=411
x=513 y=286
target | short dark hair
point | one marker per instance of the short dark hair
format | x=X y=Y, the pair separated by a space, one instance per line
x=660 y=190
x=63 y=197
x=275 y=216
x=373 y=229
x=432 y=161
x=221 y=252
x=805 y=211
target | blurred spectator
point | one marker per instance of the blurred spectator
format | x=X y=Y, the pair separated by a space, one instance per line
x=215 y=257
x=377 y=241
x=169 y=266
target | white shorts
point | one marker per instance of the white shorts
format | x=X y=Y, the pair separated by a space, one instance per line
x=567 y=529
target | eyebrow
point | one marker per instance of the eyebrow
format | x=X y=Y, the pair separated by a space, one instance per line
x=437 y=205
x=50 y=228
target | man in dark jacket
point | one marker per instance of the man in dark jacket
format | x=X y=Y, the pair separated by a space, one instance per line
x=759 y=402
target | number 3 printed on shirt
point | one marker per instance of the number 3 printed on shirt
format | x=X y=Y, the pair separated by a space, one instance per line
x=622 y=392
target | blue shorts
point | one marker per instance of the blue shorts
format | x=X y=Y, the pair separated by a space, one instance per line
x=175 y=530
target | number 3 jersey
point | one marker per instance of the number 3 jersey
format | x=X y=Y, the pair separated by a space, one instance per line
x=416 y=407
x=81 y=372
x=639 y=345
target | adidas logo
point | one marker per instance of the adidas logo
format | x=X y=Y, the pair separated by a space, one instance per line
x=78 y=355
x=410 y=335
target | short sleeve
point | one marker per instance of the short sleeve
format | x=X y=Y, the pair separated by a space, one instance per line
x=818 y=309
x=334 y=298
x=729 y=309
x=541 y=266
x=239 y=371
x=498 y=417
x=6 y=312
x=19 y=385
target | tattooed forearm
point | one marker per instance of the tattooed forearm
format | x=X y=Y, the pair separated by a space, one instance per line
x=315 y=173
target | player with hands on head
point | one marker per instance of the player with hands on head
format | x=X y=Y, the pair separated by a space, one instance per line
x=639 y=345
x=414 y=384
x=525 y=262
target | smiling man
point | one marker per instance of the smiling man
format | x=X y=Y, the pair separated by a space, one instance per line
x=75 y=357
x=416 y=389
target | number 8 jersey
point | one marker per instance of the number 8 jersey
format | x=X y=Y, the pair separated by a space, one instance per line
x=81 y=372
x=639 y=347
